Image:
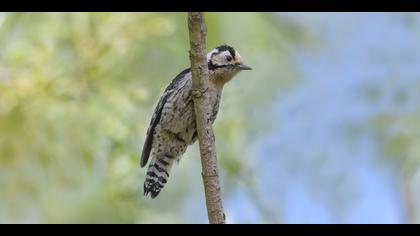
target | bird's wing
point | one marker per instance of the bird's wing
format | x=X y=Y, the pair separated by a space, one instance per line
x=147 y=147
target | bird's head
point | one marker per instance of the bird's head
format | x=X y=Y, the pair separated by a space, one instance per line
x=225 y=61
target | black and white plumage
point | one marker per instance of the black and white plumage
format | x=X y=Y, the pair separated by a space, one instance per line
x=173 y=125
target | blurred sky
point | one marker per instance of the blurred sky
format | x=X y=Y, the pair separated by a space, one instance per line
x=322 y=163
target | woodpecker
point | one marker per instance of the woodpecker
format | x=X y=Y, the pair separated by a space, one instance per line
x=173 y=125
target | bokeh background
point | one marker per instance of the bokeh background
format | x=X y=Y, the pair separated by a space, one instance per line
x=325 y=129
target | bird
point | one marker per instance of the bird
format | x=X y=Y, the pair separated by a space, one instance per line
x=173 y=126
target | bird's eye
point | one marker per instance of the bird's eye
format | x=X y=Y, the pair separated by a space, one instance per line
x=228 y=58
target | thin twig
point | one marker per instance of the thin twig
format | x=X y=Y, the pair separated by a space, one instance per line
x=199 y=69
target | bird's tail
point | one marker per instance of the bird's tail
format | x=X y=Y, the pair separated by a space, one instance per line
x=157 y=175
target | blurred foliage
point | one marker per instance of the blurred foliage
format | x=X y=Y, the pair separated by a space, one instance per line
x=77 y=91
x=398 y=131
x=400 y=137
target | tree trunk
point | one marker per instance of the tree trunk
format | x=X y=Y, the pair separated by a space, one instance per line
x=199 y=69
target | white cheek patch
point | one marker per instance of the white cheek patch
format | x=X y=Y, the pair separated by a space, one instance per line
x=210 y=53
x=220 y=59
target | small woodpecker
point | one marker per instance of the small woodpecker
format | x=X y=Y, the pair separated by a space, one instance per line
x=173 y=125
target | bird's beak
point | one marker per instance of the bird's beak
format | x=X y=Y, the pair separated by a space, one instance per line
x=244 y=67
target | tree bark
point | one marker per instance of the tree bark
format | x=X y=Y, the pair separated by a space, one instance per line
x=199 y=69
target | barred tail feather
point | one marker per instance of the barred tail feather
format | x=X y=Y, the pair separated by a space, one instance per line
x=157 y=175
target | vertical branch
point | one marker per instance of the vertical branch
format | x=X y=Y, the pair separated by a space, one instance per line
x=199 y=69
x=409 y=200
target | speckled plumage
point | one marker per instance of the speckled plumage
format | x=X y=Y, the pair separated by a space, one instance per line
x=173 y=126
